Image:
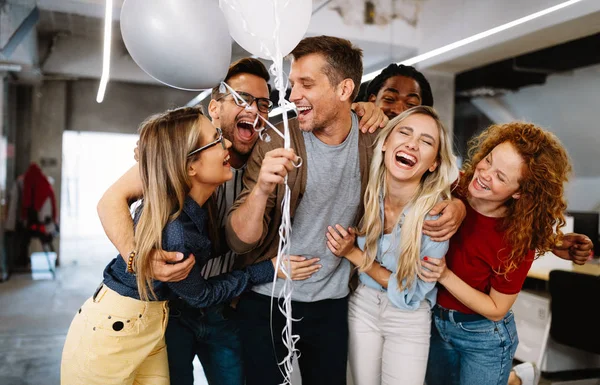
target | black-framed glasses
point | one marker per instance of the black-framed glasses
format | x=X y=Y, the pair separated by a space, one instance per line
x=209 y=145
x=243 y=99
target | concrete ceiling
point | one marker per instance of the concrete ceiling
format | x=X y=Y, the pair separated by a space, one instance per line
x=69 y=38
x=68 y=34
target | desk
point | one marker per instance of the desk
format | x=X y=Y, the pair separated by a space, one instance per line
x=533 y=318
x=542 y=266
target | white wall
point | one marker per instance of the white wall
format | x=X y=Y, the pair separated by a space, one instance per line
x=92 y=161
x=567 y=105
x=583 y=194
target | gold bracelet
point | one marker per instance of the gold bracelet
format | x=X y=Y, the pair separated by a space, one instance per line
x=130 y=269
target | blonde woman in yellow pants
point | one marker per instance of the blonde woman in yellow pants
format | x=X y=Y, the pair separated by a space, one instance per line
x=117 y=336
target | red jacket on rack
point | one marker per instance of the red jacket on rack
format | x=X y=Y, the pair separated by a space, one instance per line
x=36 y=192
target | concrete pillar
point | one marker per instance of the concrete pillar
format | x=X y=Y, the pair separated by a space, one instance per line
x=49 y=118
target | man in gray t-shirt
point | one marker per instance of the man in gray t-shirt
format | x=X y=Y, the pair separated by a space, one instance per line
x=325 y=77
x=332 y=191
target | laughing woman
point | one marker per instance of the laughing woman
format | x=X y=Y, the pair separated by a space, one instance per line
x=513 y=189
x=389 y=314
x=117 y=337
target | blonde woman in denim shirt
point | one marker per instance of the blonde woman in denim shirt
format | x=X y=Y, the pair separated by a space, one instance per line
x=389 y=314
x=117 y=337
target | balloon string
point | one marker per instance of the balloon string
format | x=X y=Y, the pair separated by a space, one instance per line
x=283 y=262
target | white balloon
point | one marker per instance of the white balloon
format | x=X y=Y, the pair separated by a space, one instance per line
x=184 y=44
x=253 y=22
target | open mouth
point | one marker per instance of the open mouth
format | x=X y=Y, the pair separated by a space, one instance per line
x=303 y=110
x=481 y=185
x=226 y=160
x=245 y=129
x=405 y=159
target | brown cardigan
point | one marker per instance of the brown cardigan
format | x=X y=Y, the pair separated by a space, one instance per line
x=266 y=247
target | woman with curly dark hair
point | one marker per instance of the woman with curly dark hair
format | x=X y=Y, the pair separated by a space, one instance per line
x=513 y=189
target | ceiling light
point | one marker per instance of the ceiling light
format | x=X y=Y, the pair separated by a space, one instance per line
x=10 y=67
x=474 y=38
x=106 y=55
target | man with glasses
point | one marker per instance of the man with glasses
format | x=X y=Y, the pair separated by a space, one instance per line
x=240 y=107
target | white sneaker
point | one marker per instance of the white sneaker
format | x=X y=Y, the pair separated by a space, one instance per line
x=528 y=372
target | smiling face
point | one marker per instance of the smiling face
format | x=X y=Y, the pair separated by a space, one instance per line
x=411 y=148
x=496 y=177
x=318 y=101
x=398 y=94
x=210 y=166
x=235 y=121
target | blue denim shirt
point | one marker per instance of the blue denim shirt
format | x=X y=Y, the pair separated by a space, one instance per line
x=388 y=252
x=188 y=234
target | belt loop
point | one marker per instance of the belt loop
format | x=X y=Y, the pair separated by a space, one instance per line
x=97 y=291
x=451 y=316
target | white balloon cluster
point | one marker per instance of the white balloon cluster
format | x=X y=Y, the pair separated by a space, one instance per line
x=186 y=44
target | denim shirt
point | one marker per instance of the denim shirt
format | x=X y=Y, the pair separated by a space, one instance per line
x=188 y=234
x=388 y=252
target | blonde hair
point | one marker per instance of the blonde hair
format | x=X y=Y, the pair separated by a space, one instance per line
x=165 y=141
x=434 y=186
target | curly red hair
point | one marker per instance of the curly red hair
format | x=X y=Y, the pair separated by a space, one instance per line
x=532 y=220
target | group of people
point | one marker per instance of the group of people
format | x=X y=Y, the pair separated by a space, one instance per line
x=403 y=266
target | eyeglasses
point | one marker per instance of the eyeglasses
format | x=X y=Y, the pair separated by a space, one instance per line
x=209 y=145
x=243 y=99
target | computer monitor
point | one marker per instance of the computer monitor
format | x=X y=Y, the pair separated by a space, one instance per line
x=586 y=222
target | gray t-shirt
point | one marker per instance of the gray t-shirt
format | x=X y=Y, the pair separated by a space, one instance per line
x=332 y=196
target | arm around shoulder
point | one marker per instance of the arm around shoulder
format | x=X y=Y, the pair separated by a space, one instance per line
x=113 y=210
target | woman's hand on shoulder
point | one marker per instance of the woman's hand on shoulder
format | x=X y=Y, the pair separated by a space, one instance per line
x=340 y=241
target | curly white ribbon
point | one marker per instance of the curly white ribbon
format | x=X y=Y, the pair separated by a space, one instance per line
x=283 y=258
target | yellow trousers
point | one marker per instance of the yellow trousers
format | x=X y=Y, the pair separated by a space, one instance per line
x=116 y=340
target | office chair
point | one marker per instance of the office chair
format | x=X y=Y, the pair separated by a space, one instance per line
x=574 y=305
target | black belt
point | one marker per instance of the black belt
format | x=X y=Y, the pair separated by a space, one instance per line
x=457 y=316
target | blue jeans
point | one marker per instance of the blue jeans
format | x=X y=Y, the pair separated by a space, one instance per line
x=212 y=335
x=471 y=353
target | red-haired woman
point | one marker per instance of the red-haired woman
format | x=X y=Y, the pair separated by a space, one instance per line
x=513 y=189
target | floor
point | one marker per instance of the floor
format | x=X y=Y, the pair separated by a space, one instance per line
x=35 y=315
